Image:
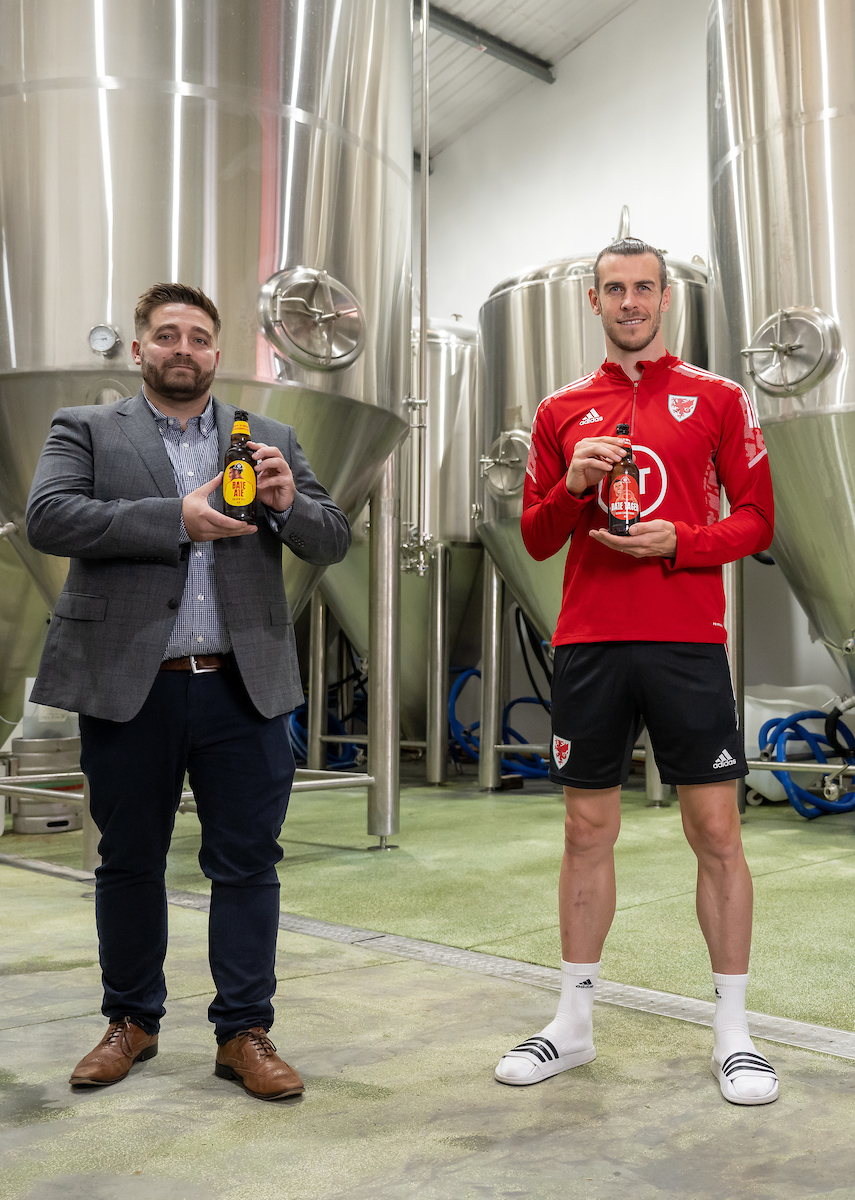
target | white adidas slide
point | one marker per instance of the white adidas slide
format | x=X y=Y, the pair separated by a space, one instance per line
x=536 y=1060
x=746 y=1078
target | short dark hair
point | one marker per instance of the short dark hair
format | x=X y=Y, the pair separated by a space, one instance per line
x=172 y=293
x=627 y=246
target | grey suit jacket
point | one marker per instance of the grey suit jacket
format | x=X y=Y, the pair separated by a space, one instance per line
x=104 y=495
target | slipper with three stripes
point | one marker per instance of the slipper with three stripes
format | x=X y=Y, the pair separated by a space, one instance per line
x=537 y=1059
x=746 y=1078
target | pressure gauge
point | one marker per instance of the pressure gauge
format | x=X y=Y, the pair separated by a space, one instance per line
x=104 y=339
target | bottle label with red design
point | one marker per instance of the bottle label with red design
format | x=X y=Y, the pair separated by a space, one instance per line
x=623 y=499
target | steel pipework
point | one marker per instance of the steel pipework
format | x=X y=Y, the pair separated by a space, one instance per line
x=384 y=648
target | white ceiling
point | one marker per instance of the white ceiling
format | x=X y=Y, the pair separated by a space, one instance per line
x=466 y=83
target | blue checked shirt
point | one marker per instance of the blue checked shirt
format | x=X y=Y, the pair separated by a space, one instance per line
x=200 y=627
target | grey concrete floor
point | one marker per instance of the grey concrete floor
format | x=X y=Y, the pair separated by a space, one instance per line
x=400 y=1101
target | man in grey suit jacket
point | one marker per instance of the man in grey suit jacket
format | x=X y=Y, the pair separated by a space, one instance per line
x=173 y=640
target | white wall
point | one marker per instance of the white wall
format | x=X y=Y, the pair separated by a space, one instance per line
x=547 y=173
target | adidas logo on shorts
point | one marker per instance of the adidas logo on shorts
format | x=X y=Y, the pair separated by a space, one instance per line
x=725 y=759
x=591 y=418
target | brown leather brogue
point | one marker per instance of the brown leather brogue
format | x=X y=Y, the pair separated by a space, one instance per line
x=251 y=1058
x=121 y=1046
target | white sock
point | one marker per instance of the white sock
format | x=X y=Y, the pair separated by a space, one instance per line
x=730 y=1030
x=573 y=1027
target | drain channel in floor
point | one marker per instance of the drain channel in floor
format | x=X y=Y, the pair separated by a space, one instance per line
x=663 y=1004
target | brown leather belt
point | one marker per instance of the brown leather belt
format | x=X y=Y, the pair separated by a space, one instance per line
x=199 y=664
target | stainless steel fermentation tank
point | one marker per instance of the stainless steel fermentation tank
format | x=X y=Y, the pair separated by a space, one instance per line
x=782 y=171
x=537 y=333
x=261 y=151
x=449 y=481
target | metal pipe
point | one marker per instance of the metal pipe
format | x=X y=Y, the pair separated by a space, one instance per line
x=384 y=651
x=489 y=764
x=317 y=723
x=344 y=695
x=522 y=747
x=438 y=664
x=416 y=515
x=361 y=739
x=91 y=835
x=734 y=627
x=57 y=777
x=8 y=788
x=425 y=197
x=657 y=797
x=802 y=768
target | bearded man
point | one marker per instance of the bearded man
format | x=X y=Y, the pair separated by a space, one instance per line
x=641 y=635
x=173 y=640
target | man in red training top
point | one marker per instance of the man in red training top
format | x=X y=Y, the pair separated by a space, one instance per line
x=641 y=634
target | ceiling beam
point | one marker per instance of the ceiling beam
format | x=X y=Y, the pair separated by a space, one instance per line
x=480 y=39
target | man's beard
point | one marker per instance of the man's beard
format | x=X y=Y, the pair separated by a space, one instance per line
x=614 y=329
x=185 y=387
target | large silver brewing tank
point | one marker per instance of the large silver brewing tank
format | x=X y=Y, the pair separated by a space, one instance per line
x=23 y=621
x=260 y=151
x=538 y=332
x=782 y=172
x=450 y=485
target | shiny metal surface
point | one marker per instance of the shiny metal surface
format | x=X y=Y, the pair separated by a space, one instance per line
x=539 y=582
x=23 y=625
x=221 y=144
x=345 y=587
x=782 y=171
x=792 y=351
x=436 y=751
x=218 y=143
x=316 y=758
x=384 y=654
x=538 y=332
x=450 y=490
x=449 y=484
x=490 y=727
x=311 y=318
x=345 y=464
x=734 y=625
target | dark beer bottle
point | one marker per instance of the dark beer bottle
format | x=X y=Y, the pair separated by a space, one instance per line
x=239 y=483
x=624 y=506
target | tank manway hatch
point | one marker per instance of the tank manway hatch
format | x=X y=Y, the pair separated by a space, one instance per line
x=793 y=351
x=311 y=318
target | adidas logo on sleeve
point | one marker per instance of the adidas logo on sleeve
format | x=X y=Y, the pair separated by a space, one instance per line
x=591 y=418
x=725 y=759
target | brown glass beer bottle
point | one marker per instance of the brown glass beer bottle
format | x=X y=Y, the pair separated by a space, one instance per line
x=239 y=483
x=624 y=506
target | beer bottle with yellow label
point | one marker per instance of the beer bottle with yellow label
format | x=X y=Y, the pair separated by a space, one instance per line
x=624 y=502
x=239 y=483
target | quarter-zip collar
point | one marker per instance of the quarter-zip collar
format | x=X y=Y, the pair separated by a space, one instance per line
x=648 y=369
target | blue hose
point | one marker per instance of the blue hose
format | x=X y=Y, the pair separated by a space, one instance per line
x=299 y=734
x=532 y=766
x=774 y=737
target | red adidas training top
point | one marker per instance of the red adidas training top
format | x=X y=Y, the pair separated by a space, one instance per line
x=691 y=432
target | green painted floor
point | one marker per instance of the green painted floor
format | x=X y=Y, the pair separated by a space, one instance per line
x=400 y=1101
x=398 y=1055
x=479 y=871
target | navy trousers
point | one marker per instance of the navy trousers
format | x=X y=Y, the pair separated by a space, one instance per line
x=241 y=769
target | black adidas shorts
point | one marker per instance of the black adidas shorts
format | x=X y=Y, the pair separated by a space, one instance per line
x=600 y=690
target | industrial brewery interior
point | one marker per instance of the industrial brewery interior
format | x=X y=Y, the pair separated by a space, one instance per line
x=427 y=528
